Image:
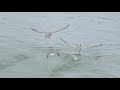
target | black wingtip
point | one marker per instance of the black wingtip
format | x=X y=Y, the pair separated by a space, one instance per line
x=32 y=28
x=100 y=44
x=58 y=54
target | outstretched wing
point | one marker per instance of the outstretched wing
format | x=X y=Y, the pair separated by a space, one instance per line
x=61 y=29
x=37 y=31
x=97 y=46
x=77 y=45
x=66 y=42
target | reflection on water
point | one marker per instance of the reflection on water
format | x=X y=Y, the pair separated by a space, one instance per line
x=88 y=60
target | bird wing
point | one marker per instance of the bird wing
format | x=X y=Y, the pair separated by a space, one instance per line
x=96 y=46
x=66 y=42
x=61 y=29
x=77 y=45
x=37 y=31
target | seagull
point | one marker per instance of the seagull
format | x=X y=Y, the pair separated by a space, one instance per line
x=77 y=47
x=52 y=51
x=51 y=54
x=48 y=34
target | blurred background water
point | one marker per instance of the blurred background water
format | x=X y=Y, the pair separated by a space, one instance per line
x=23 y=52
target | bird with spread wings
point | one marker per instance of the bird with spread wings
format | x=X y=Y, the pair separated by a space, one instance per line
x=48 y=34
x=78 y=47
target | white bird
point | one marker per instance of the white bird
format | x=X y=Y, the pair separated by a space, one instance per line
x=48 y=34
x=77 y=47
x=51 y=51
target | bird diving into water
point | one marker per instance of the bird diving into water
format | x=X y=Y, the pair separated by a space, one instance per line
x=48 y=34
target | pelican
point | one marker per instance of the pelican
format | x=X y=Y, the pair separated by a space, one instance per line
x=48 y=34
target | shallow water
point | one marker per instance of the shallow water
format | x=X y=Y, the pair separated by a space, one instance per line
x=25 y=53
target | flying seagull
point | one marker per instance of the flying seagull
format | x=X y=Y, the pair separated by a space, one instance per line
x=77 y=47
x=48 y=34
